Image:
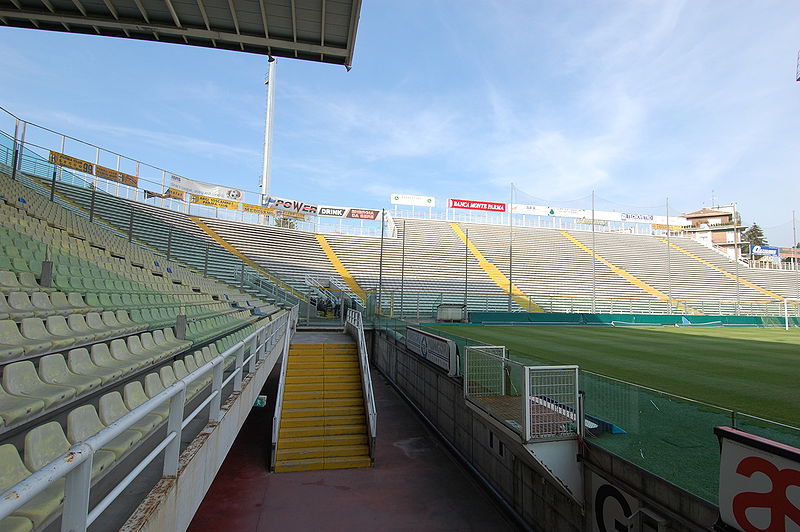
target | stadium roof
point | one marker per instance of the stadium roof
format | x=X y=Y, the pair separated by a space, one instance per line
x=315 y=30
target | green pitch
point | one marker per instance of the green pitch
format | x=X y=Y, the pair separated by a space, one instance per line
x=754 y=371
x=750 y=370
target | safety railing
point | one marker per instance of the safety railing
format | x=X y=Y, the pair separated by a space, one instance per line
x=75 y=465
x=539 y=403
x=355 y=326
x=284 y=361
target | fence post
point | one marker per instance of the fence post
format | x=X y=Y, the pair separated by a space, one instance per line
x=205 y=262
x=169 y=243
x=214 y=413
x=91 y=202
x=173 y=448
x=526 y=397
x=237 y=380
x=130 y=224
x=76 y=495
x=15 y=155
x=53 y=184
x=251 y=367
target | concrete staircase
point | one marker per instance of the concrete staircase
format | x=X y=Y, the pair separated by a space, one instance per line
x=323 y=423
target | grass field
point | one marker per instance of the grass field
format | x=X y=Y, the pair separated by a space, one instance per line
x=754 y=371
x=750 y=370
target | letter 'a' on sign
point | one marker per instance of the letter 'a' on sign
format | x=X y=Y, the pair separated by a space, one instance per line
x=759 y=483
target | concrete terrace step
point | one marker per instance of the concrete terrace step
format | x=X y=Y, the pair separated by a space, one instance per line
x=322 y=394
x=325 y=440
x=323 y=452
x=302 y=385
x=330 y=430
x=313 y=464
x=324 y=411
x=322 y=403
x=321 y=421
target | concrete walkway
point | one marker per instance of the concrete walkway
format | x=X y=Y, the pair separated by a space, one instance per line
x=415 y=484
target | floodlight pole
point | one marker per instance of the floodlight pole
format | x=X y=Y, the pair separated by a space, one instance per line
x=272 y=65
x=669 y=263
x=510 y=249
x=402 y=269
x=594 y=263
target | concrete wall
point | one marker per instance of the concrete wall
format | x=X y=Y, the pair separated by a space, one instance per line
x=171 y=504
x=498 y=456
x=494 y=452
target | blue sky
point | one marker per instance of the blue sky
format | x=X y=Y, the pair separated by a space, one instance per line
x=638 y=101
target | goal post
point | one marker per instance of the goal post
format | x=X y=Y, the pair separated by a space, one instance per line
x=786 y=301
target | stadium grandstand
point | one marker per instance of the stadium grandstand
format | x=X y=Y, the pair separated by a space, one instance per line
x=172 y=350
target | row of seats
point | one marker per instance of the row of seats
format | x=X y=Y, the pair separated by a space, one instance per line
x=46 y=442
x=25 y=393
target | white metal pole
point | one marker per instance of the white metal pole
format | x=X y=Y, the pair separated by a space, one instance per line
x=669 y=263
x=786 y=313
x=266 y=167
x=594 y=264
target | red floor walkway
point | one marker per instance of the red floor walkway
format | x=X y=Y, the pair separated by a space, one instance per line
x=415 y=485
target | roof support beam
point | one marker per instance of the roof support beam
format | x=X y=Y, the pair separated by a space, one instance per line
x=351 y=34
x=264 y=17
x=322 y=28
x=294 y=25
x=173 y=13
x=199 y=33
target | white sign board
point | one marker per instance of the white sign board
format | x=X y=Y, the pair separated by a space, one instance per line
x=410 y=199
x=205 y=189
x=759 y=483
x=611 y=507
x=441 y=351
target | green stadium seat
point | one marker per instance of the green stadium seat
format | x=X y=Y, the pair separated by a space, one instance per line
x=110 y=319
x=16 y=523
x=23 y=308
x=119 y=350
x=29 y=283
x=134 y=396
x=77 y=323
x=80 y=362
x=47 y=442
x=53 y=370
x=34 y=329
x=13 y=344
x=83 y=423
x=112 y=407
x=15 y=408
x=76 y=300
x=20 y=378
x=101 y=355
x=38 y=509
x=58 y=327
x=9 y=282
x=153 y=385
x=42 y=302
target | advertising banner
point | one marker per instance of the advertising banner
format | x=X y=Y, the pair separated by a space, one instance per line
x=71 y=162
x=790 y=253
x=476 y=205
x=589 y=221
x=169 y=193
x=758 y=482
x=764 y=250
x=258 y=209
x=293 y=215
x=632 y=217
x=116 y=175
x=410 y=199
x=665 y=227
x=565 y=212
x=283 y=204
x=335 y=212
x=205 y=189
x=214 y=202
x=438 y=350
x=611 y=507
x=363 y=214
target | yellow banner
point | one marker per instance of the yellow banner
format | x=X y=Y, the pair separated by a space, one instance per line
x=663 y=227
x=176 y=194
x=215 y=202
x=295 y=215
x=258 y=209
x=71 y=162
x=116 y=175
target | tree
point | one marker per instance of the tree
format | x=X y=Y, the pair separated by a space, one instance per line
x=754 y=235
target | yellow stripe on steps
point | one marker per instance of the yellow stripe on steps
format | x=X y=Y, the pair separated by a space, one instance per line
x=723 y=272
x=496 y=275
x=340 y=268
x=658 y=294
x=228 y=247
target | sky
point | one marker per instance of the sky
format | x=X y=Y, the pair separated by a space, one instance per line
x=639 y=101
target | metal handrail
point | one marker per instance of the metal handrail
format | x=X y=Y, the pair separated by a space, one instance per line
x=276 y=417
x=76 y=463
x=354 y=320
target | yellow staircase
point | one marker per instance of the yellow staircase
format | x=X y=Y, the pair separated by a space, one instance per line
x=323 y=423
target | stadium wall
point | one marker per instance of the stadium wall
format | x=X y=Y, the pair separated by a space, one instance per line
x=515 y=477
x=622 y=320
x=494 y=454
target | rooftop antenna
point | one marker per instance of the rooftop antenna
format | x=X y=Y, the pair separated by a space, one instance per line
x=265 y=169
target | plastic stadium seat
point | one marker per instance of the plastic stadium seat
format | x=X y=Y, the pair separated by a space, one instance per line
x=14 y=408
x=15 y=523
x=136 y=345
x=76 y=300
x=112 y=407
x=83 y=423
x=180 y=371
x=153 y=385
x=135 y=396
x=12 y=343
x=59 y=328
x=119 y=350
x=9 y=282
x=80 y=362
x=77 y=323
x=44 y=303
x=101 y=355
x=29 y=283
x=20 y=378
x=47 y=442
x=41 y=507
x=34 y=329
x=21 y=303
x=53 y=370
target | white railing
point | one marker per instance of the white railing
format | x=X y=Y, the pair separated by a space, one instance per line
x=284 y=360
x=76 y=464
x=356 y=328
